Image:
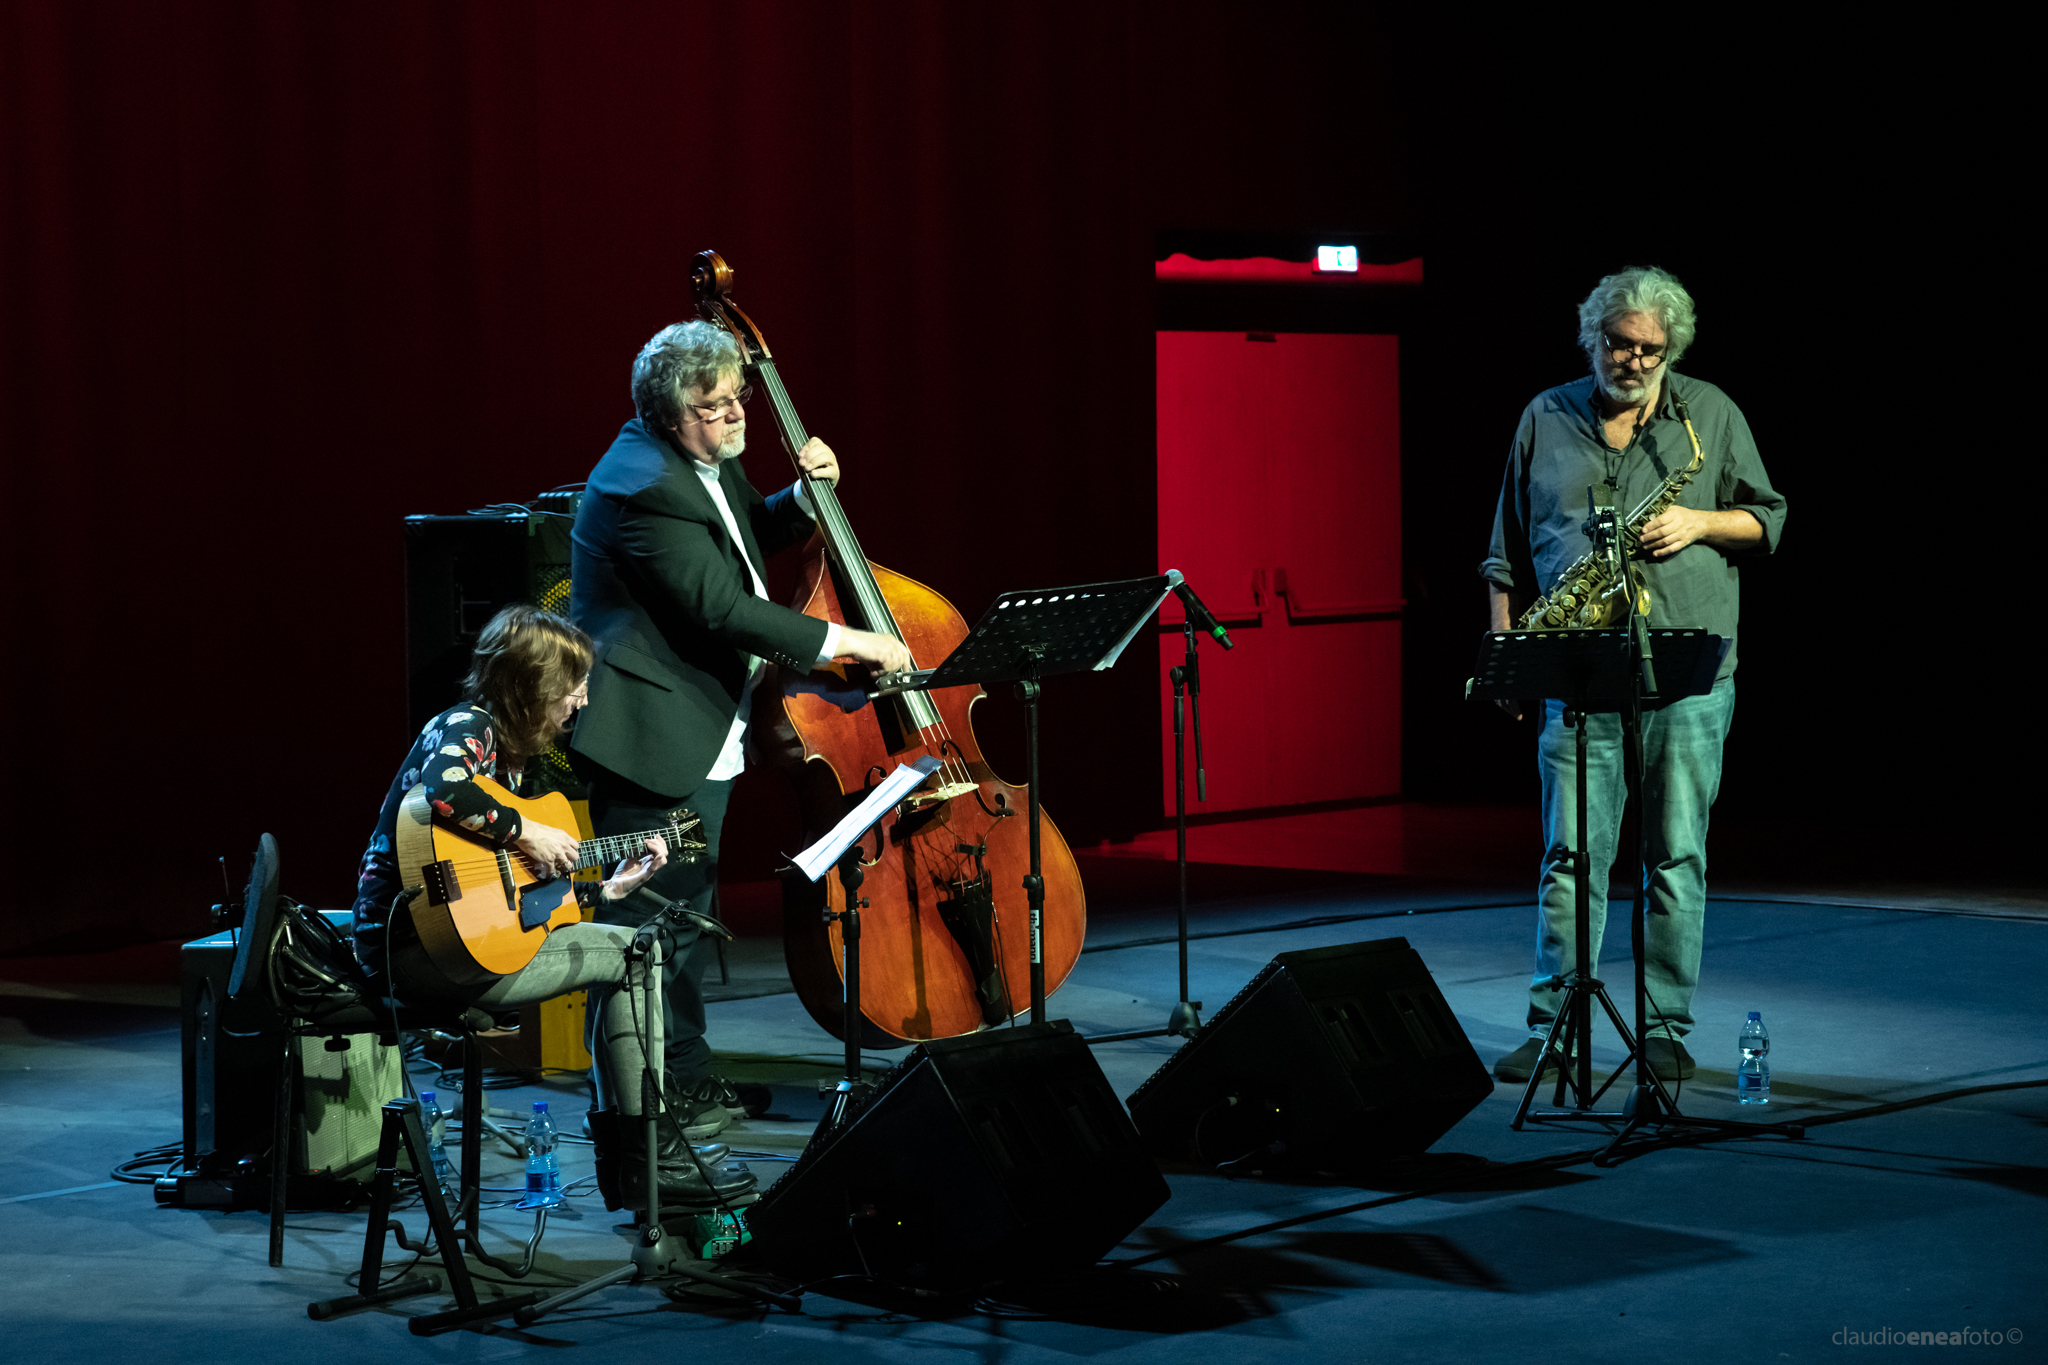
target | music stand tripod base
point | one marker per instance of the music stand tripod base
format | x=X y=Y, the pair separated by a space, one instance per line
x=1592 y=671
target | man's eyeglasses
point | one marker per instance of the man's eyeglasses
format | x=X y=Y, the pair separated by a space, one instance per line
x=1624 y=351
x=723 y=410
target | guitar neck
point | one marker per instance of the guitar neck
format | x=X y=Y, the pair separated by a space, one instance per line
x=606 y=849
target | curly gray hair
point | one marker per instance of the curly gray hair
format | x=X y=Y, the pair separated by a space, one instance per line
x=1639 y=289
x=678 y=358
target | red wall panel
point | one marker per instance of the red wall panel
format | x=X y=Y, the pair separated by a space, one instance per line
x=1280 y=498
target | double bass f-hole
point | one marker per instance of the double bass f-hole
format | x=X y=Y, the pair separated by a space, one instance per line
x=1002 y=806
x=874 y=775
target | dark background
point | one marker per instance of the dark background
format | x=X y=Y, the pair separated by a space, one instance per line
x=274 y=276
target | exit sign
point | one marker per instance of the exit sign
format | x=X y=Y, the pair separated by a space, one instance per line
x=1330 y=259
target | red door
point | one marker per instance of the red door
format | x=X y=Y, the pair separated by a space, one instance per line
x=1280 y=499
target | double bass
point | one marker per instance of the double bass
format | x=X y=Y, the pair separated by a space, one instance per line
x=946 y=937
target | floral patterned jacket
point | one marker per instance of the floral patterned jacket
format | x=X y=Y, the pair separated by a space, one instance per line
x=455 y=747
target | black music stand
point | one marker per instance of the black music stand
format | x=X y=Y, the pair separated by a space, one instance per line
x=1022 y=638
x=1597 y=671
x=841 y=848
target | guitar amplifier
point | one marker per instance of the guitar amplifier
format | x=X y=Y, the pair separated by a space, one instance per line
x=230 y=1064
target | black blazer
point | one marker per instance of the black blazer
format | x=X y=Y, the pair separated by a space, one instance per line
x=658 y=583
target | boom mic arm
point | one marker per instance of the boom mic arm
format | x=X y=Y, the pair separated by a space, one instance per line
x=671 y=916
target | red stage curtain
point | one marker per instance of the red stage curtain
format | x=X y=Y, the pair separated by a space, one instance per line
x=277 y=275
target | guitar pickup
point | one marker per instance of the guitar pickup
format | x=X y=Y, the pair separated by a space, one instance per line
x=441 y=882
x=538 y=903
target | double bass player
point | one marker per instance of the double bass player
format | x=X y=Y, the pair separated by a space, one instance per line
x=668 y=561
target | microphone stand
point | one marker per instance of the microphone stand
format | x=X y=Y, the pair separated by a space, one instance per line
x=1186 y=1018
x=655 y=1252
x=852 y=1086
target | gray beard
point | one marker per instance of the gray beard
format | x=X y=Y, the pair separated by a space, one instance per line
x=1621 y=394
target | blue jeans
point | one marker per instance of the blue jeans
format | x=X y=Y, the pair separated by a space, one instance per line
x=1681 y=775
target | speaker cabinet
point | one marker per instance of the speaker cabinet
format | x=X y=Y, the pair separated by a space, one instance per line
x=459 y=570
x=998 y=1155
x=1331 y=1056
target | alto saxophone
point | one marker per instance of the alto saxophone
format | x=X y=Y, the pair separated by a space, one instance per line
x=1585 y=596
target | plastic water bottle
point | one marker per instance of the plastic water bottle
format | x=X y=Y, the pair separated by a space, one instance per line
x=436 y=1124
x=1753 y=1076
x=543 y=1172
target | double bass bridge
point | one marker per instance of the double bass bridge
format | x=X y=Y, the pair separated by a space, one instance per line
x=923 y=799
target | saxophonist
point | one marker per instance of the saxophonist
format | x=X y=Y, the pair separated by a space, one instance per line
x=1618 y=432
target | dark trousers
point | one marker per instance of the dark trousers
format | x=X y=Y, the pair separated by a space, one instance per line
x=621 y=807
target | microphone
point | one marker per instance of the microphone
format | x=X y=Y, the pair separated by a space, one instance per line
x=1197 y=613
x=671 y=916
x=679 y=915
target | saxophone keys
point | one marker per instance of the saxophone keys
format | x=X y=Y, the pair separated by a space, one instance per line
x=1642 y=601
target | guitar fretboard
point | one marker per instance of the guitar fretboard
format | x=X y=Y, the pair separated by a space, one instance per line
x=606 y=849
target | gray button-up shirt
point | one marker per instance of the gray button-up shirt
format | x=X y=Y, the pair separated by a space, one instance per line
x=1561 y=449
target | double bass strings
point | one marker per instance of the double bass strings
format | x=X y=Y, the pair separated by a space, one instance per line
x=874 y=608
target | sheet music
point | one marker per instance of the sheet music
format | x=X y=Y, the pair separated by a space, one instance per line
x=1136 y=626
x=823 y=856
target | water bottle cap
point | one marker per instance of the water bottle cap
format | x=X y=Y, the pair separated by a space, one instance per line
x=540 y=1106
x=1756 y=1014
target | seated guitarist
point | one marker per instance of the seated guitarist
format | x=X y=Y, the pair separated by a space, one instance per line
x=528 y=677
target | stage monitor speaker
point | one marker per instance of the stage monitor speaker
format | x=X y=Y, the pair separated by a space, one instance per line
x=1330 y=1056
x=999 y=1155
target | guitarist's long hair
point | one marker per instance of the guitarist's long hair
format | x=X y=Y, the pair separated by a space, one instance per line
x=526 y=659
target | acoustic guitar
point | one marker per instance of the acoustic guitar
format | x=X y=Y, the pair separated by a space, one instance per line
x=485 y=911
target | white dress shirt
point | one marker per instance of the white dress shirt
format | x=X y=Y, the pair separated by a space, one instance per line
x=732 y=760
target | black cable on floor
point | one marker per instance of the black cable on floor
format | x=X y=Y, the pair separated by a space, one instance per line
x=136 y=1170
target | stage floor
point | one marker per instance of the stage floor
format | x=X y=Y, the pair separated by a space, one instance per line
x=1922 y=1219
